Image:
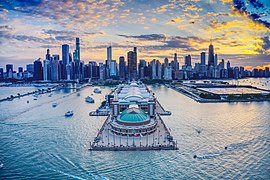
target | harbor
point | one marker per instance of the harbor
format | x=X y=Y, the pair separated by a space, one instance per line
x=221 y=93
x=134 y=123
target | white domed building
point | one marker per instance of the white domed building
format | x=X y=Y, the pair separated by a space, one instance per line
x=133 y=110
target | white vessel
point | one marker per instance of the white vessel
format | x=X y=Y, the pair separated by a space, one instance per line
x=97 y=90
x=89 y=99
x=54 y=104
x=69 y=113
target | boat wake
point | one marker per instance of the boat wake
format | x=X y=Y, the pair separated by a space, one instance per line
x=231 y=147
x=207 y=156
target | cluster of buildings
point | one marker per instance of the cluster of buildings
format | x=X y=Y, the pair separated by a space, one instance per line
x=72 y=67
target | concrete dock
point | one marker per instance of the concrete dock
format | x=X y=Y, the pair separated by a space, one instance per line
x=106 y=140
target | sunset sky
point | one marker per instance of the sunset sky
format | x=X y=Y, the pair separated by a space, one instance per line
x=240 y=29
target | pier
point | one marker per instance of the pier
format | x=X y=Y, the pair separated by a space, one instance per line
x=106 y=140
x=134 y=123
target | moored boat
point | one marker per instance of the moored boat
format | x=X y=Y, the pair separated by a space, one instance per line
x=97 y=90
x=89 y=99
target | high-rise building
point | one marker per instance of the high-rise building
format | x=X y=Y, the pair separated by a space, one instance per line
x=166 y=61
x=113 y=68
x=30 y=68
x=48 y=56
x=109 y=53
x=101 y=71
x=211 y=57
x=65 y=59
x=38 y=74
x=46 y=70
x=142 y=69
x=175 y=66
x=188 y=60
x=122 y=67
x=228 y=65
x=203 y=58
x=132 y=64
x=1 y=73
x=215 y=60
x=54 y=69
x=9 y=70
x=78 y=49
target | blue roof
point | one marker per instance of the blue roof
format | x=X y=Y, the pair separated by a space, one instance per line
x=133 y=115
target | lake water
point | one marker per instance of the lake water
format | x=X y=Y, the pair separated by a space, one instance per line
x=37 y=141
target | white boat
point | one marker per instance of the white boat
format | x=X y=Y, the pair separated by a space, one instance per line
x=97 y=90
x=89 y=99
x=50 y=95
x=69 y=113
x=54 y=104
x=78 y=94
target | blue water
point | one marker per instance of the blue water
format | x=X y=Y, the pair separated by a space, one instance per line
x=37 y=141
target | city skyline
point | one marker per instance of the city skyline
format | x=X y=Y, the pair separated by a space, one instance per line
x=239 y=30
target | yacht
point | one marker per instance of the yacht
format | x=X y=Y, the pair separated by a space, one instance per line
x=97 y=90
x=89 y=99
x=69 y=113
x=54 y=104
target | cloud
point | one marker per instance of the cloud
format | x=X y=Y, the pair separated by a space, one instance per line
x=147 y=37
x=253 y=10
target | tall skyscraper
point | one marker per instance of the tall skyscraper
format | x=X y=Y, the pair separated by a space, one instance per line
x=109 y=53
x=166 y=61
x=54 y=69
x=65 y=59
x=78 y=49
x=142 y=69
x=9 y=70
x=215 y=60
x=211 y=57
x=132 y=64
x=46 y=70
x=38 y=74
x=122 y=67
x=203 y=58
x=48 y=56
x=228 y=65
x=101 y=71
x=188 y=60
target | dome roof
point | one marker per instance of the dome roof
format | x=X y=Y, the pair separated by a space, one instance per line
x=133 y=115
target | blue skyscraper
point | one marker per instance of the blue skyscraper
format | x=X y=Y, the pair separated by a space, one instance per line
x=211 y=57
x=122 y=67
x=38 y=74
x=78 y=49
x=65 y=59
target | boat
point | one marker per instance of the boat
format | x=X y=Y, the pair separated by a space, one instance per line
x=89 y=99
x=54 y=104
x=35 y=99
x=50 y=95
x=97 y=90
x=78 y=94
x=69 y=113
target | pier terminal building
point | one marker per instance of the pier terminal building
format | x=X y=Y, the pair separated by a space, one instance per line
x=133 y=110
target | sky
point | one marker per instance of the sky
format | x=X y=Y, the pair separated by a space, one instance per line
x=239 y=29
